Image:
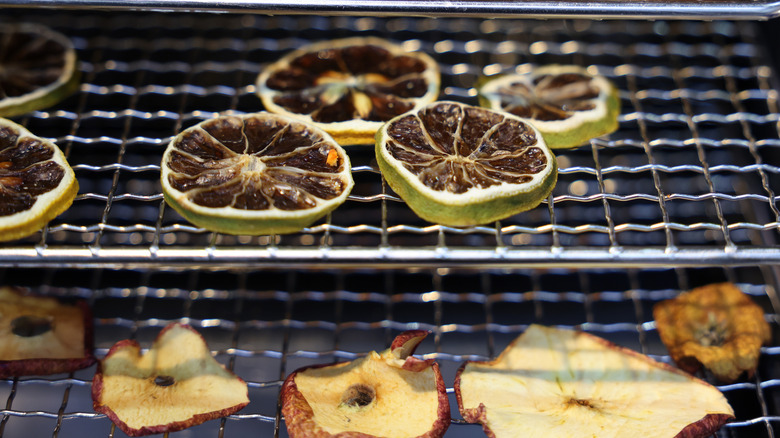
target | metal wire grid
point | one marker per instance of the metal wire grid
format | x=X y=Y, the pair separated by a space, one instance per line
x=688 y=178
x=263 y=325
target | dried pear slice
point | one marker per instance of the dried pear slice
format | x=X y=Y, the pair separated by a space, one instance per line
x=255 y=174
x=37 y=68
x=553 y=382
x=36 y=182
x=460 y=165
x=567 y=104
x=716 y=326
x=349 y=87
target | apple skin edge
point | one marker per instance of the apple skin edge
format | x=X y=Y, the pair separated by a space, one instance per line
x=299 y=416
x=40 y=367
x=97 y=389
x=702 y=428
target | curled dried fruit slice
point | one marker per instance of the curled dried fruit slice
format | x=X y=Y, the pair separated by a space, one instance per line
x=388 y=394
x=37 y=68
x=460 y=165
x=254 y=174
x=175 y=385
x=560 y=383
x=717 y=326
x=349 y=87
x=36 y=182
x=567 y=104
x=40 y=335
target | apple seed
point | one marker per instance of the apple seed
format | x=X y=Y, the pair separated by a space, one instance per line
x=164 y=380
x=28 y=326
x=358 y=396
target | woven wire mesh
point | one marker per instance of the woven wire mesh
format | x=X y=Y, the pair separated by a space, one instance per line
x=690 y=173
x=263 y=325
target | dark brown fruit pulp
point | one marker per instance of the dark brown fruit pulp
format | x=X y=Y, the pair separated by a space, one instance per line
x=351 y=73
x=470 y=148
x=29 y=61
x=255 y=164
x=552 y=97
x=26 y=171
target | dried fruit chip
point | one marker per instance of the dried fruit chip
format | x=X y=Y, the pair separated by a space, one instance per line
x=565 y=102
x=37 y=68
x=561 y=383
x=36 y=182
x=177 y=384
x=255 y=174
x=717 y=326
x=41 y=335
x=349 y=87
x=388 y=394
x=461 y=165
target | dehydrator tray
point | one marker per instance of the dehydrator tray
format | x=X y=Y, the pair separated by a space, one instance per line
x=265 y=324
x=690 y=178
x=601 y=9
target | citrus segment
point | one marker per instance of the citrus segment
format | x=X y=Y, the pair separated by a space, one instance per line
x=37 y=68
x=461 y=165
x=568 y=105
x=36 y=182
x=349 y=87
x=254 y=174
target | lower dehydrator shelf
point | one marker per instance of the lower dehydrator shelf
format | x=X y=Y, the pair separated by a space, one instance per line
x=265 y=324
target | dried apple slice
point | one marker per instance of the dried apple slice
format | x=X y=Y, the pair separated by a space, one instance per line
x=40 y=335
x=177 y=384
x=388 y=394
x=716 y=326
x=561 y=383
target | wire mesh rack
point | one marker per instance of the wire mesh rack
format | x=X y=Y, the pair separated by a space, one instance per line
x=265 y=324
x=689 y=178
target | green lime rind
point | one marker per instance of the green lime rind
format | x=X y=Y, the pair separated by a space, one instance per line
x=248 y=226
x=432 y=209
x=46 y=100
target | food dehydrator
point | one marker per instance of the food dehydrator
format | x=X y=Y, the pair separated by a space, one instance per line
x=684 y=194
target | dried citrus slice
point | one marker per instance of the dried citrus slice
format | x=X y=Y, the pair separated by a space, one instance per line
x=254 y=174
x=36 y=182
x=566 y=103
x=37 y=68
x=461 y=165
x=349 y=87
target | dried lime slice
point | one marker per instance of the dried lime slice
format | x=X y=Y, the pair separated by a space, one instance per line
x=36 y=182
x=568 y=105
x=461 y=165
x=37 y=68
x=349 y=87
x=254 y=174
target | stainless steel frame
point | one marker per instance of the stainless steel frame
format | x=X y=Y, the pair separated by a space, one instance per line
x=603 y=9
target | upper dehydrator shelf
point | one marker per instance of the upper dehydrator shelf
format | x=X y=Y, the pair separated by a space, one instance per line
x=647 y=9
x=689 y=178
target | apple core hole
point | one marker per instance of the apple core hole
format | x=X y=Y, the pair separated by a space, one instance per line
x=164 y=380
x=358 y=395
x=28 y=326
